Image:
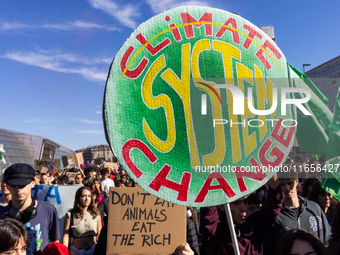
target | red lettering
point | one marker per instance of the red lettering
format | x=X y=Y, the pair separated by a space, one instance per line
x=149 y=47
x=221 y=31
x=259 y=53
x=187 y=18
x=175 y=32
x=275 y=152
x=223 y=184
x=242 y=173
x=280 y=137
x=252 y=33
x=139 y=69
x=132 y=144
x=161 y=180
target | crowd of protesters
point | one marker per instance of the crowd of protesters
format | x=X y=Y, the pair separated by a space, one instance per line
x=291 y=214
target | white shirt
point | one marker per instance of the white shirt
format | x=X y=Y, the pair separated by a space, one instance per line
x=106 y=186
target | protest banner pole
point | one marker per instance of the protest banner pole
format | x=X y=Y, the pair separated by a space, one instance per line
x=232 y=229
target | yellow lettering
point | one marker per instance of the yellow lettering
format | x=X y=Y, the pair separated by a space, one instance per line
x=182 y=87
x=264 y=96
x=228 y=52
x=156 y=102
x=245 y=74
x=217 y=156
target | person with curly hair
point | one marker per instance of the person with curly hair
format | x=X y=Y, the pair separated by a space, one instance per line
x=14 y=238
x=83 y=223
x=300 y=241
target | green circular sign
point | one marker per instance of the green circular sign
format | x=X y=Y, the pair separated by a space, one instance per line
x=197 y=106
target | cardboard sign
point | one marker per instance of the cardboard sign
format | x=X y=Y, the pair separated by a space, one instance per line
x=111 y=165
x=44 y=166
x=140 y=223
x=204 y=94
x=98 y=161
x=73 y=159
x=71 y=176
x=44 y=170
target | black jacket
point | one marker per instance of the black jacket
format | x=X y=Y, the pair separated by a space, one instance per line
x=192 y=238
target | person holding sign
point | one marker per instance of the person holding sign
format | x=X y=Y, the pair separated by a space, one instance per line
x=83 y=223
x=250 y=230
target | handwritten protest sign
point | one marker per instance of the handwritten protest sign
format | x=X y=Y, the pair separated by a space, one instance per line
x=44 y=170
x=198 y=106
x=53 y=166
x=140 y=223
x=73 y=159
x=71 y=176
x=111 y=165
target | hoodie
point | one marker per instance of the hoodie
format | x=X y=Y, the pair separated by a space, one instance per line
x=311 y=218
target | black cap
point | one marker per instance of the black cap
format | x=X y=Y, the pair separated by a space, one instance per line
x=19 y=175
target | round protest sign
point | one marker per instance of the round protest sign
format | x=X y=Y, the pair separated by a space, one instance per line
x=197 y=106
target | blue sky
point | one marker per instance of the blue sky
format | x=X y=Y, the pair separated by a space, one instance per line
x=55 y=55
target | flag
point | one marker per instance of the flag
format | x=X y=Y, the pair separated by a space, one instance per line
x=312 y=131
x=2 y=152
x=331 y=180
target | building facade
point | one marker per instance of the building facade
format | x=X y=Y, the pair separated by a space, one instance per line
x=327 y=77
x=24 y=148
x=102 y=152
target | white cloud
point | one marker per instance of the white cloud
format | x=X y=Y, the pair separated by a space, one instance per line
x=102 y=60
x=50 y=128
x=125 y=14
x=59 y=63
x=90 y=121
x=98 y=112
x=68 y=26
x=12 y=26
x=37 y=120
x=34 y=120
x=93 y=132
x=161 y=6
